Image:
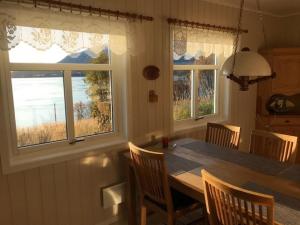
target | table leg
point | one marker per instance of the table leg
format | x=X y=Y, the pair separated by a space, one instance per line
x=131 y=196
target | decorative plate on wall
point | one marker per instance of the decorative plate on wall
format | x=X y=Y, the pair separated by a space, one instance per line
x=151 y=72
x=284 y=105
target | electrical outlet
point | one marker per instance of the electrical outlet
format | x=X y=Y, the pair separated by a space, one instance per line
x=113 y=195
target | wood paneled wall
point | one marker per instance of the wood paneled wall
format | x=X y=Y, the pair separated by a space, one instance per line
x=60 y=194
x=68 y=193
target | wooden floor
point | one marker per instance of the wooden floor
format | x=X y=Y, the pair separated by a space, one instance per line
x=154 y=219
x=157 y=219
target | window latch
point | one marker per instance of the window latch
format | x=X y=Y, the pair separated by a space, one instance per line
x=75 y=140
x=199 y=118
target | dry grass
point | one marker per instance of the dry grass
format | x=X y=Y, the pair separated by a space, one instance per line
x=86 y=127
x=57 y=131
x=182 y=108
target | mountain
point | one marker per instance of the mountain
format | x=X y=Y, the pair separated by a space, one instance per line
x=82 y=57
x=183 y=61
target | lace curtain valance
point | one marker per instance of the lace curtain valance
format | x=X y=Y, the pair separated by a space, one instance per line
x=194 y=42
x=42 y=28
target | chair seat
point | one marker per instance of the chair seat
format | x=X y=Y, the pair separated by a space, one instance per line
x=182 y=203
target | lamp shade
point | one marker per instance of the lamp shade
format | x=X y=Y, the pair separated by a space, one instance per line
x=247 y=63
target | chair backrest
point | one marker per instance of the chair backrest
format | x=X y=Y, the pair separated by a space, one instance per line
x=230 y=205
x=151 y=174
x=227 y=136
x=280 y=147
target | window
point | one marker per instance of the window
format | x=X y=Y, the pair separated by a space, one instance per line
x=194 y=91
x=197 y=59
x=63 y=93
x=39 y=106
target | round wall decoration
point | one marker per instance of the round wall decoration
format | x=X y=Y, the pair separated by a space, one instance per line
x=151 y=72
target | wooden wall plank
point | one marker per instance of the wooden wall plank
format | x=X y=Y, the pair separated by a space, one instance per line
x=48 y=195
x=61 y=190
x=151 y=110
x=17 y=193
x=74 y=192
x=34 y=196
x=96 y=181
x=86 y=195
x=5 y=204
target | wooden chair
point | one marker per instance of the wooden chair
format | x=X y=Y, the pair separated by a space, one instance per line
x=155 y=193
x=280 y=147
x=227 y=136
x=230 y=205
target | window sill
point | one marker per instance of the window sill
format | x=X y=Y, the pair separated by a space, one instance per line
x=24 y=161
x=181 y=127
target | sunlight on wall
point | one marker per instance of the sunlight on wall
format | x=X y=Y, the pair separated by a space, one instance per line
x=89 y=160
x=115 y=198
x=115 y=210
x=105 y=162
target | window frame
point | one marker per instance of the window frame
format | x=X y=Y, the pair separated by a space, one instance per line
x=221 y=86
x=16 y=158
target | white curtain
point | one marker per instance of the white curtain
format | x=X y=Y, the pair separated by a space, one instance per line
x=194 y=43
x=42 y=28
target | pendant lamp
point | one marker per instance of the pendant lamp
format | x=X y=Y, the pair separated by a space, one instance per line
x=246 y=67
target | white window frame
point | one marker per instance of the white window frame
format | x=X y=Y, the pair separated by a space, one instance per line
x=18 y=158
x=221 y=87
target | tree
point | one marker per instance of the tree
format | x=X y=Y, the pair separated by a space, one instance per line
x=81 y=110
x=99 y=91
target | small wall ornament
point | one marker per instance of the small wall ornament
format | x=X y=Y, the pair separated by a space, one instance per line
x=151 y=72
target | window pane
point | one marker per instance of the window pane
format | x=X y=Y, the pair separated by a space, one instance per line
x=92 y=101
x=58 y=46
x=194 y=60
x=205 y=99
x=182 y=94
x=39 y=106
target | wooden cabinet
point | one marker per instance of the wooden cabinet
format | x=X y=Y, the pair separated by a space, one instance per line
x=286 y=63
x=288 y=69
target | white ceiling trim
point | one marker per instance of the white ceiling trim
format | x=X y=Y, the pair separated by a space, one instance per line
x=221 y=2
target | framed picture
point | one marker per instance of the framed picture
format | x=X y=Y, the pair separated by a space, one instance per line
x=280 y=104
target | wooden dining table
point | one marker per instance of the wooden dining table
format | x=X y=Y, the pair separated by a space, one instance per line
x=185 y=158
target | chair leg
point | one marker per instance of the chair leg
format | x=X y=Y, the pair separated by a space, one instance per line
x=171 y=220
x=143 y=215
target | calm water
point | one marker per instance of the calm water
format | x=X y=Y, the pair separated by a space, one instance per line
x=41 y=100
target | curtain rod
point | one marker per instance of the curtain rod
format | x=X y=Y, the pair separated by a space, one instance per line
x=203 y=25
x=81 y=8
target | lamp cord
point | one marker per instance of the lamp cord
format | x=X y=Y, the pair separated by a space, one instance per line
x=261 y=17
x=236 y=41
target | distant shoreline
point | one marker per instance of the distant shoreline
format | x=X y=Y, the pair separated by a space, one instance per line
x=48 y=75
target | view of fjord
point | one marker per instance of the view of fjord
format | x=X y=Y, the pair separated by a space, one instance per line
x=39 y=95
